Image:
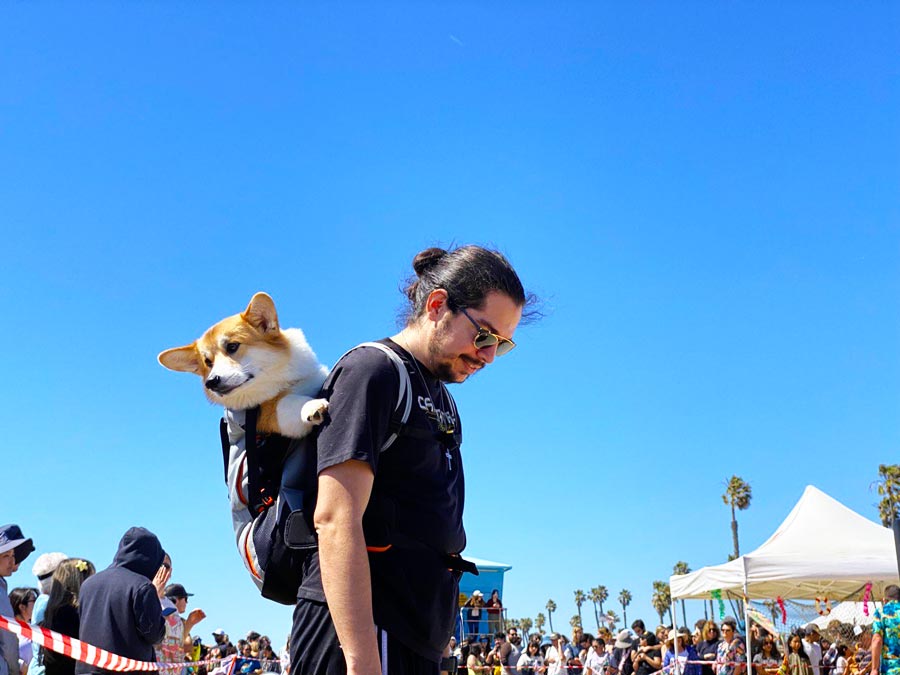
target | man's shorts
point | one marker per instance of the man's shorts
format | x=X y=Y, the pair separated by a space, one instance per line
x=315 y=649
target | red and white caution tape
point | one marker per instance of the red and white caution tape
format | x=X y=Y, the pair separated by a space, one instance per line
x=82 y=651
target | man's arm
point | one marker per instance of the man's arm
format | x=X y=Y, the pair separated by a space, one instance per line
x=187 y=642
x=344 y=491
x=148 y=618
x=877 y=643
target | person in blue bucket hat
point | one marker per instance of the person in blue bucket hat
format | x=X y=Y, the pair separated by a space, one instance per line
x=14 y=548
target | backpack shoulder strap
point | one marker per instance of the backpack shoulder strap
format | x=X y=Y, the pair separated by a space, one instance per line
x=404 y=397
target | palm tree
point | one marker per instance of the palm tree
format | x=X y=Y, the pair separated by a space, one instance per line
x=681 y=567
x=738 y=496
x=611 y=619
x=575 y=622
x=661 y=600
x=624 y=600
x=598 y=596
x=580 y=597
x=539 y=622
x=526 y=626
x=551 y=607
x=889 y=490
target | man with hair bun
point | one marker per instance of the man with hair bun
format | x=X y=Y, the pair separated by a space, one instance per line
x=380 y=593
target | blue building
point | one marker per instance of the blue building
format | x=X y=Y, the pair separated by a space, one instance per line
x=490 y=577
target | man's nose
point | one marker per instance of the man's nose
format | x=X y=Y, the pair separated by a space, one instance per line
x=488 y=354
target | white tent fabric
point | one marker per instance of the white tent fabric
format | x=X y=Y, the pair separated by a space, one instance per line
x=849 y=612
x=822 y=549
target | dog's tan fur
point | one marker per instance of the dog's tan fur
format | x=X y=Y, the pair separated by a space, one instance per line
x=257 y=364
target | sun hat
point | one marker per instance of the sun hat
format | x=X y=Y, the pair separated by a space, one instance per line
x=681 y=635
x=46 y=564
x=11 y=537
x=623 y=639
x=44 y=567
x=477 y=594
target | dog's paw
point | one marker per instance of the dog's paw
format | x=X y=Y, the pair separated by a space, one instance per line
x=314 y=411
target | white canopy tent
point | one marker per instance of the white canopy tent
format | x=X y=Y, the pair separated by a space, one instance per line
x=822 y=549
x=849 y=612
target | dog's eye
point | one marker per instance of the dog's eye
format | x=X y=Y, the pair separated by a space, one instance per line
x=208 y=362
x=232 y=347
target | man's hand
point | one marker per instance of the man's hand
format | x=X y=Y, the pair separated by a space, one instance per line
x=163 y=574
x=195 y=617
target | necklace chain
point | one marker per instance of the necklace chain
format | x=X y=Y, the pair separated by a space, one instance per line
x=440 y=419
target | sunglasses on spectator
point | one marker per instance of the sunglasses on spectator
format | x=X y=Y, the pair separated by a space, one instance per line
x=485 y=338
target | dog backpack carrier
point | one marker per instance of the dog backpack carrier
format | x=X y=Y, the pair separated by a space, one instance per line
x=271 y=483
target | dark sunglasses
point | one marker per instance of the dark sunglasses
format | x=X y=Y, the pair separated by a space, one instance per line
x=485 y=338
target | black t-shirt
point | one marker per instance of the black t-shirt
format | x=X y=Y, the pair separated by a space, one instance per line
x=705 y=648
x=417 y=496
x=644 y=668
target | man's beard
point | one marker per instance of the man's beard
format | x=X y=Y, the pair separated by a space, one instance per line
x=441 y=367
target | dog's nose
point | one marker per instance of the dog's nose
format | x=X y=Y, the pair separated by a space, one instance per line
x=214 y=383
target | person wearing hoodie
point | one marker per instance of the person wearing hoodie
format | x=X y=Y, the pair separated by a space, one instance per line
x=119 y=607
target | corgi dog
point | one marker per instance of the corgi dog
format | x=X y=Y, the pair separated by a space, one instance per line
x=247 y=360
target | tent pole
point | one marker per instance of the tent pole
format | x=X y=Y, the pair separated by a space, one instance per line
x=896 y=529
x=749 y=644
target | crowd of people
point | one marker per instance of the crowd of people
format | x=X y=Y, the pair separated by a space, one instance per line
x=711 y=648
x=131 y=609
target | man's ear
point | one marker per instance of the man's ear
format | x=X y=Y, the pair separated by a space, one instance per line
x=183 y=359
x=261 y=314
x=436 y=305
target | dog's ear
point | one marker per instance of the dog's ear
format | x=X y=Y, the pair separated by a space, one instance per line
x=261 y=314
x=183 y=359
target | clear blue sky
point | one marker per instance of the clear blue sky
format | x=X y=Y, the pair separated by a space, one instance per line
x=706 y=196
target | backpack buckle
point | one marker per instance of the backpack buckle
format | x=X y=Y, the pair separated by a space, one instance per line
x=265 y=501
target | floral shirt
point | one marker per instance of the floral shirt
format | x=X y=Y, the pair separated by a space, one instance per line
x=171 y=649
x=729 y=653
x=887 y=625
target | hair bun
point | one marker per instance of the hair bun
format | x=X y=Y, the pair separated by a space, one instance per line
x=427 y=259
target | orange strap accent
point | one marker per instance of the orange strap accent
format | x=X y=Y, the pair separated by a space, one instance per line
x=378 y=549
x=249 y=558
